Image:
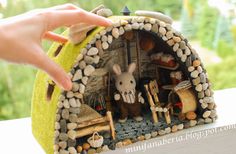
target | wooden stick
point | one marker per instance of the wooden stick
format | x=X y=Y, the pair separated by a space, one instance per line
x=154 y=90
x=109 y=117
x=138 y=55
x=90 y=130
x=167 y=117
x=150 y=100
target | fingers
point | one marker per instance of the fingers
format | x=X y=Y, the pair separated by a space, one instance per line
x=58 y=75
x=60 y=18
x=55 y=37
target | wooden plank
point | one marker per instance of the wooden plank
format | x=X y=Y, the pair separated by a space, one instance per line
x=92 y=122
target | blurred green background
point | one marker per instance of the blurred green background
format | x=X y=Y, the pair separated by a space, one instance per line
x=210 y=25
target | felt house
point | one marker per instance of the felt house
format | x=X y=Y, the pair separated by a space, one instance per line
x=169 y=74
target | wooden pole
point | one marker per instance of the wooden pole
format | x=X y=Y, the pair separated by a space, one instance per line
x=150 y=100
x=109 y=117
x=138 y=55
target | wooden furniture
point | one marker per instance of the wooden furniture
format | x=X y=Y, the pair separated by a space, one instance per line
x=90 y=121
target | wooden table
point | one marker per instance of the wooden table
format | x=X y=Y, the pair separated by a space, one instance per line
x=16 y=136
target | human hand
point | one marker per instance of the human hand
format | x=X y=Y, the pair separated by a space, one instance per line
x=21 y=36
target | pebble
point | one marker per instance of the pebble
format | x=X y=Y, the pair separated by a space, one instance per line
x=63 y=125
x=180 y=126
x=183 y=58
x=71 y=143
x=63 y=137
x=191 y=115
x=203 y=77
x=88 y=60
x=105 y=12
x=58 y=117
x=211 y=106
x=81 y=88
x=154 y=134
x=162 y=30
x=69 y=94
x=91 y=151
x=93 y=51
x=57 y=125
x=86 y=146
x=75 y=86
x=147 y=27
x=127 y=142
x=169 y=34
x=213 y=114
x=71 y=134
x=89 y=69
x=208 y=92
x=121 y=31
x=200 y=121
x=72 y=150
x=65 y=114
x=109 y=39
x=63 y=152
x=135 y=25
x=103 y=32
x=66 y=104
x=179 y=53
x=123 y=22
x=141 y=138
x=196 y=81
x=71 y=125
x=128 y=27
x=194 y=74
x=115 y=33
x=182 y=45
x=206 y=114
x=84 y=80
x=187 y=51
x=105 y=45
x=171 y=43
x=208 y=120
x=176 y=47
x=73 y=118
x=198 y=87
x=199 y=68
x=174 y=128
x=208 y=100
x=62 y=144
x=82 y=64
x=77 y=75
x=72 y=102
x=196 y=63
x=204 y=105
x=147 y=136
x=167 y=130
x=205 y=86
x=75 y=110
x=192 y=123
x=190 y=68
x=99 y=150
x=79 y=149
x=161 y=132
x=154 y=28
x=116 y=23
x=83 y=51
x=176 y=39
x=96 y=59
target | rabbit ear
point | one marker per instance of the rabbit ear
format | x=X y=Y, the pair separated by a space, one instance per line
x=131 y=67
x=116 y=69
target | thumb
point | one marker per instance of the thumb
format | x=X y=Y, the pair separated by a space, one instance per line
x=57 y=74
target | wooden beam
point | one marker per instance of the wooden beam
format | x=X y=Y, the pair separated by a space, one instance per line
x=92 y=122
x=151 y=102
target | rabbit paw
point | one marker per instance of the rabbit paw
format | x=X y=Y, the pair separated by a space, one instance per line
x=117 y=97
x=140 y=98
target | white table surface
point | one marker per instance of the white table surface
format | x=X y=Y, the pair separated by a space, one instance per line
x=16 y=136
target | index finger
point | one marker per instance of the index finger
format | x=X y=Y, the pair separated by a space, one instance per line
x=60 y=18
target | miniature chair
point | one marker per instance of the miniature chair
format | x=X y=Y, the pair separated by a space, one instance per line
x=90 y=121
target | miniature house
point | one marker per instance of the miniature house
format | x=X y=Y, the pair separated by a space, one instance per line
x=169 y=74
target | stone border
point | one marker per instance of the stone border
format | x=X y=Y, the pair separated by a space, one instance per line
x=70 y=102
